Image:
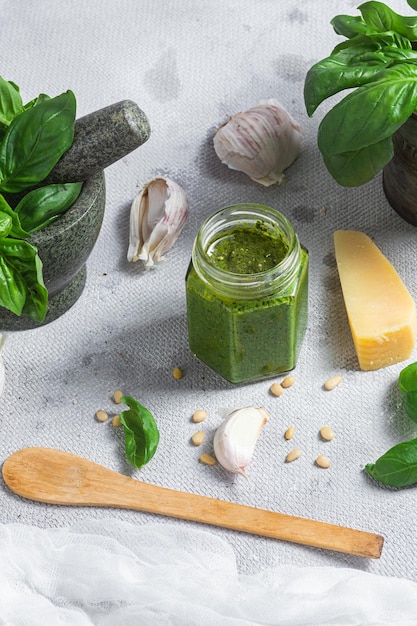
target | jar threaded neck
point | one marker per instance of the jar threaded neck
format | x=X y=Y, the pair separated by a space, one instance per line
x=251 y=285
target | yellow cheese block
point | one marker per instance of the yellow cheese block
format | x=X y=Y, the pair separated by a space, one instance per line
x=381 y=311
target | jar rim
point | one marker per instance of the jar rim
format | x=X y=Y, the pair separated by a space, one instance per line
x=280 y=275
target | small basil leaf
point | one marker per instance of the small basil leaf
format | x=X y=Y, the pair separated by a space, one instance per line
x=349 y=26
x=5 y=224
x=141 y=432
x=22 y=290
x=412 y=4
x=407 y=383
x=16 y=229
x=13 y=288
x=36 y=303
x=35 y=141
x=44 y=205
x=397 y=467
x=10 y=102
x=36 y=101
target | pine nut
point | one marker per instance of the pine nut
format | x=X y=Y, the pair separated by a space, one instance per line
x=276 y=389
x=177 y=373
x=199 y=416
x=116 y=422
x=288 y=381
x=289 y=433
x=323 y=461
x=198 y=438
x=117 y=396
x=332 y=382
x=101 y=415
x=293 y=455
x=207 y=459
x=326 y=433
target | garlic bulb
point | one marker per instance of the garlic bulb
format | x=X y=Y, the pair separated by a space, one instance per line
x=261 y=142
x=2 y=369
x=235 y=439
x=157 y=216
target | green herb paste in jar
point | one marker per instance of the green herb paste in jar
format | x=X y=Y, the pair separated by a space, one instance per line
x=247 y=293
x=248 y=249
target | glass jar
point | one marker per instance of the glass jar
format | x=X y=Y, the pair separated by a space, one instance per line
x=246 y=289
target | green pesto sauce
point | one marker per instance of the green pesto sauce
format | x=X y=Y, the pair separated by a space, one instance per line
x=246 y=340
x=248 y=249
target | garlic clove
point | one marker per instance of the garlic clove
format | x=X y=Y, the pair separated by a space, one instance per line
x=235 y=439
x=262 y=142
x=157 y=216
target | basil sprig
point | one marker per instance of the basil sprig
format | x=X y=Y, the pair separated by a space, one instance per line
x=34 y=142
x=378 y=62
x=397 y=467
x=33 y=137
x=141 y=432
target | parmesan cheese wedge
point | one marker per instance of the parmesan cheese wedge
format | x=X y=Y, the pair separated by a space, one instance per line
x=380 y=310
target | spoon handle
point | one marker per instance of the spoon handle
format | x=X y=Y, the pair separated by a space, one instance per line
x=58 y=477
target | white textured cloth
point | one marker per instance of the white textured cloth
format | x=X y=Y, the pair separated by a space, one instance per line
x=188 y=65
x=110 y=572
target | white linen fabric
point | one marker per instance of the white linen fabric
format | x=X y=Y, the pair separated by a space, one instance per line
x=109 y=572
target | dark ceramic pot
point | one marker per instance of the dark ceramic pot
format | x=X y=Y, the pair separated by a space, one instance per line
x=64 y=247
x=400 y=175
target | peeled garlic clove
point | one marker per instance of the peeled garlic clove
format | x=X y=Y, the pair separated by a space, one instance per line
x=235 y=439
x=157 y=216
x=261 y=142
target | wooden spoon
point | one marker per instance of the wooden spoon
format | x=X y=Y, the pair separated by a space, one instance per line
x=57 y=477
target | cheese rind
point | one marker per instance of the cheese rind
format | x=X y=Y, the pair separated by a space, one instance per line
x=381 y=312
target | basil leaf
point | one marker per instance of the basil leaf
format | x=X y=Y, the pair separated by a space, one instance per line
x=397 y=467
x=389 y=38
x=407 y=384
x=358 y=167
x=10 y=102
x=22 y=290
x=378 y=110
x=44 y=205
x=349 y=26
x=412 y=4
x=380 y=17
x=348 y=68
x=36 y=303
x=16 y=229
x=36 y=101
x=141 y=432
x=375 y=111
x=342 y=70
x=35 y=141
x=5 y=224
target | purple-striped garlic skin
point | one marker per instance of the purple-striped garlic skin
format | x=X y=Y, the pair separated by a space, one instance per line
x=157 y=217
x=261 y=142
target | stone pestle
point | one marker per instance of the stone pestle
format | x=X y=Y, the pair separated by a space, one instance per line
x=100 y=139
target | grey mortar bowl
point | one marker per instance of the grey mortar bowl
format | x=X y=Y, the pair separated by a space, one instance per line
x=100 y=139
x=64 y=247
